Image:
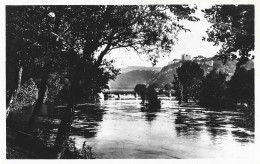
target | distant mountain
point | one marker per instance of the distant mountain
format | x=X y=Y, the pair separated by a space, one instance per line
x=129 y=79
x=140 y=68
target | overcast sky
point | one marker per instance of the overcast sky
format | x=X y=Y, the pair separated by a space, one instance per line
x=189 y=42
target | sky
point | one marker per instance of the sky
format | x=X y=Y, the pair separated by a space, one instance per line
x=189 y=43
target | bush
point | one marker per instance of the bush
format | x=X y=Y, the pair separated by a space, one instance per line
x=27 y=95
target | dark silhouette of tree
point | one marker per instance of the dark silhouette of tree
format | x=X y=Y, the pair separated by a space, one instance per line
x=41 y=51
x=213 y=89
x=153 y=101
x=168 y=88
x=178 y=89
x=240 y=89
x=190 y=76
x=233 y=27
x=141 y=90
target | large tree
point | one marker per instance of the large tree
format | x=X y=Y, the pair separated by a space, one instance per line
x=233 y=27
x=213 y=89
x=240 y=89
x=190 y=76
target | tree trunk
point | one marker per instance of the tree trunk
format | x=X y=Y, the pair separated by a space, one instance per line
x=66 y=121
x=14 y=96
x=40 y=99
x=185 y=95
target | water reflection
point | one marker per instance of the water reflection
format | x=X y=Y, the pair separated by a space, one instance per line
x=124 y=129
x=86 y=120
x=150 y=113
x=188 y=123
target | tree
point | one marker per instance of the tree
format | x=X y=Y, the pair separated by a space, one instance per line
x=168 y=88
x=213 y=89
x=233 y=27
x=178 y=89
x=34 y=29
x=141 y=90
x=240 y=89
x=152 y=98
x=190 y=76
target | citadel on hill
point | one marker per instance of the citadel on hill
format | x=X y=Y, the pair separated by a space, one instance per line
x=198 y=59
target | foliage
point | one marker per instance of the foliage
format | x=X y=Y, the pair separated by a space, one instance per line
x=99 y=82
x=33 y=44
x=152 y=98
x=141 y=90
x=241 y=87
x=26 y=96
x=178 y=89
x=36 y=31
x=233 y=27
x=213 y=89
x=190 y=76
x=145 y=28
x=167 y=87
x=72 y=152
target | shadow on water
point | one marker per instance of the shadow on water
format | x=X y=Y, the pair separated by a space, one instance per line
x=217 y=124
x=86 y=120
x=187 y=123
x=150 y=113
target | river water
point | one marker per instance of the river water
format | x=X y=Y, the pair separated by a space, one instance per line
x=123 y=129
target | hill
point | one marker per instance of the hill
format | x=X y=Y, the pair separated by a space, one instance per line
x=133 y=75
x=129 y=79
x=165 y=76
x=140 y=68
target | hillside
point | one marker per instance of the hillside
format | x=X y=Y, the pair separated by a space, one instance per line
x=131 y=76
x=129 y=79
x=165 y=76
x=140 y=68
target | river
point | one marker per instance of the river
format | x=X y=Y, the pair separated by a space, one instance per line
x=123 y=129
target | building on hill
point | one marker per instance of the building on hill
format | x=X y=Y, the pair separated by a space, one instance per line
x=185 y=57
x=199 y=59
x=202 y=60
x=174 y=61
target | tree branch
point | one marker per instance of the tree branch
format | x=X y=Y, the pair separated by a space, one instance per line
x=104 y=52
